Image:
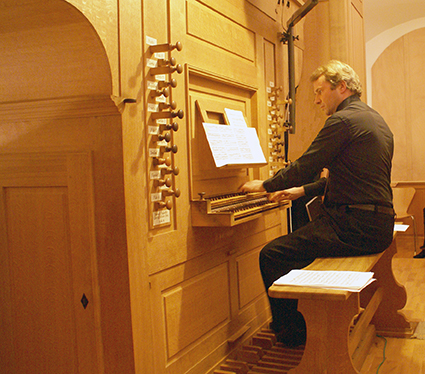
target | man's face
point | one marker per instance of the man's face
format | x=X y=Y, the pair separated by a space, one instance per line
x=327 y=98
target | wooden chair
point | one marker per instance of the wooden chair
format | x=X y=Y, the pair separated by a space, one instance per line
x=402 y=198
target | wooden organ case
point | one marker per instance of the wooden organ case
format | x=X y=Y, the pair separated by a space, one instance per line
x=206 y=293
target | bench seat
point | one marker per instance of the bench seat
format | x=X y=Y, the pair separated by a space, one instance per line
x=335 y=344
x=361 y=263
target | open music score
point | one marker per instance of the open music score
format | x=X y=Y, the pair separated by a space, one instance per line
x=234 y=143
x=231 y=209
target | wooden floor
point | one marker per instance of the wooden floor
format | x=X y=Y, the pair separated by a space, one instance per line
x=406 y=356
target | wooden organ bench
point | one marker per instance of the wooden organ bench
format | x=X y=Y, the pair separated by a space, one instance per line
x=334 y=343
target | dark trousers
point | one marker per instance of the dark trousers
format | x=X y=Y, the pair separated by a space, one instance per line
x=337 y=232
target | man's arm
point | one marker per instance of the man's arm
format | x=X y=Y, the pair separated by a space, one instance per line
x=289 y=194
x=255 y=185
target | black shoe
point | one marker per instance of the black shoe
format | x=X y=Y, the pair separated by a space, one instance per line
x=292 y=338
x=420 y=255
x=293 y=334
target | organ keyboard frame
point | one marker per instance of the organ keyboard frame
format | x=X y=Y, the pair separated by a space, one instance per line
x=232 y=209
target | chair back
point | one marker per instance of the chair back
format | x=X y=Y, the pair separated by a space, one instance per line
x=402 y=198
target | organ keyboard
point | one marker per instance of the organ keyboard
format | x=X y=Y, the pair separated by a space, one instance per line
x=231 y=209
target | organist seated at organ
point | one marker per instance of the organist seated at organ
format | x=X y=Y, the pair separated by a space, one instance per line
x=357 y=216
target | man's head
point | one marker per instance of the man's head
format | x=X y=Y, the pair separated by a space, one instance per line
x=333 y=83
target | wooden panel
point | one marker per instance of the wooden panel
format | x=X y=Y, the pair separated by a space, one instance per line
x=268 y=7
x=347 y=34
x=40 y=263
x=339 y=30
x=358 y=60
x=250 y=282
x=50 y=265
x=22 y=170
x=194 y=308
x=209 y=26
x=269 y=63
x=415 y=98
x=214 y=248
x=393 y=107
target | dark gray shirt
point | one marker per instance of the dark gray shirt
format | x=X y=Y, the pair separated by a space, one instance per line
x=356 y=145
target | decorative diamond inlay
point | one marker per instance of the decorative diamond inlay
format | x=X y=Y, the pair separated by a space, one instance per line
x=84 y=301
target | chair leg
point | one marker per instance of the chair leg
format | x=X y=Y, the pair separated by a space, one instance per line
x=414 y=234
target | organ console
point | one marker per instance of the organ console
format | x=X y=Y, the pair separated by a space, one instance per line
x=231 y=209
x=214 y=200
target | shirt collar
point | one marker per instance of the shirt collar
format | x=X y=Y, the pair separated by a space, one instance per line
x=347 y=101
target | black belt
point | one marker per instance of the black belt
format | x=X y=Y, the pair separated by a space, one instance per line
x=373 y=208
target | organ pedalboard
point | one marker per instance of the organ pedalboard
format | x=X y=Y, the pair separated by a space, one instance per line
x=162 y=123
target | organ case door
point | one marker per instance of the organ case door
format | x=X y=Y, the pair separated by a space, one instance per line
x=50 y=317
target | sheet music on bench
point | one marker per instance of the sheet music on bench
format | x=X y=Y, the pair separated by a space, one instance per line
x=234 y=144
x=353 y=281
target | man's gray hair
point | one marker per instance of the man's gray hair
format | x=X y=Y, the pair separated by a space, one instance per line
x=336 y=71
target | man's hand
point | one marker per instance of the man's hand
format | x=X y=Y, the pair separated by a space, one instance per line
x=255 y=185
x=289 y=194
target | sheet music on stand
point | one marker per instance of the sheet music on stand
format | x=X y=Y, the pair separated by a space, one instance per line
x=353 y=281
x=234 y=144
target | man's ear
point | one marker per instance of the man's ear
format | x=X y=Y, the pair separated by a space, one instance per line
x=342 y=86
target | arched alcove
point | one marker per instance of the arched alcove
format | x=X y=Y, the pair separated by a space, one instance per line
x=49 y=50
x=64 y=271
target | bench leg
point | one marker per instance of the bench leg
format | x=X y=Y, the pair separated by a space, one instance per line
x=388 y=320
x=328 y=324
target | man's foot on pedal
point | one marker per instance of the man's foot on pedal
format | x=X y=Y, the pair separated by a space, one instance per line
x=421 y=254
x=294 y=333
x=292 y=338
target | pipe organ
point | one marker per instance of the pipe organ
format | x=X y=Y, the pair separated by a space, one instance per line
x=132 y=182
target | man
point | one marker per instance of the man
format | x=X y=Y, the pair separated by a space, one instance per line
x=357 y=216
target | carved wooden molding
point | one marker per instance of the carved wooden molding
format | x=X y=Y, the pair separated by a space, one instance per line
x=72 y=107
